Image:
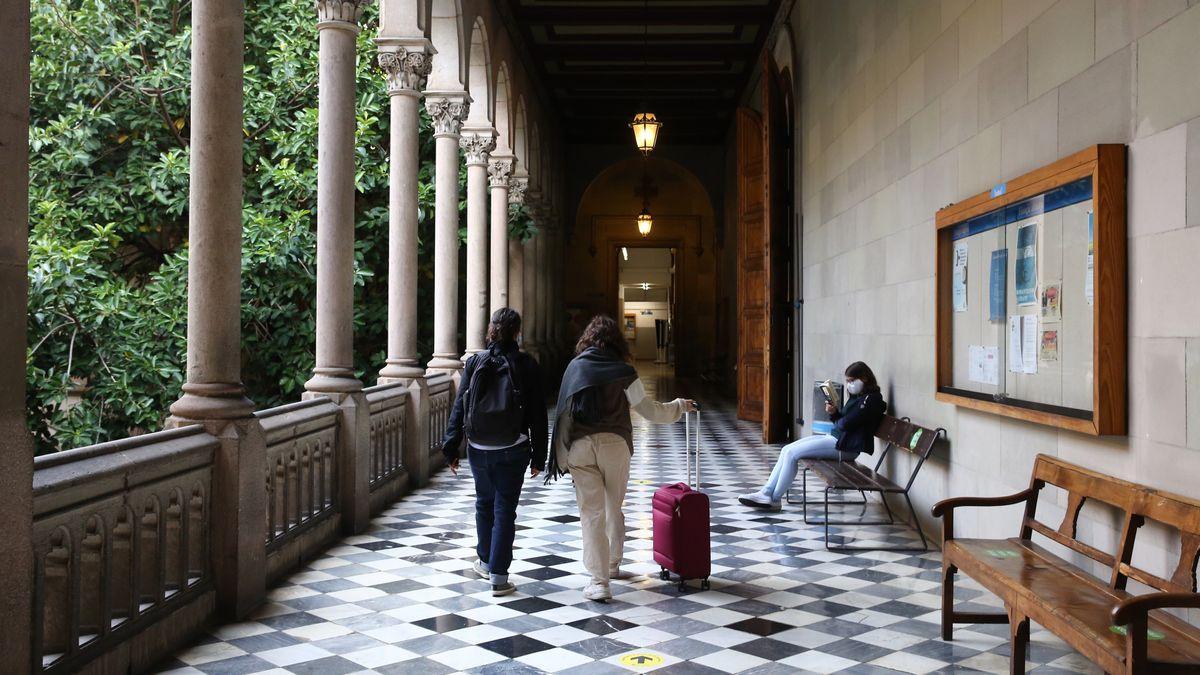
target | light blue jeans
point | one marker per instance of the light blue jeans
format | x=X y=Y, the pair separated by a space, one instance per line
x=809 y=447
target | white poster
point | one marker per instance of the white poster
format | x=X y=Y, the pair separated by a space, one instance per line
x=1029 y=344
x=984 y=364
x=1091 y=262
x=959 y=278
x=1015 y=363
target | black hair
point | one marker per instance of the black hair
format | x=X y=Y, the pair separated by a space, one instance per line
x=504 y=326
x=861 y=371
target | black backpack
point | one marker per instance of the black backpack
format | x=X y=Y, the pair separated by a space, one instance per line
x=495 y=415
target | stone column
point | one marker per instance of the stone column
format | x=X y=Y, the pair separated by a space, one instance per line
x=213 y=394
x=333 y=376
x=406 y=70
x=476 y=145
x=543 y=281
x=448 y=112
x=499 y=170
x=529 y=301
x=16 y=452
x=516 y=253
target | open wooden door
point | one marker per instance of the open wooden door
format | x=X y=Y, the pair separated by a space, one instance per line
x=752 y=311
x=777 y=197
x=763 y=261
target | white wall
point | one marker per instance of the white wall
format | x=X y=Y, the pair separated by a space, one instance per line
x=645 y=346
x=907 y=106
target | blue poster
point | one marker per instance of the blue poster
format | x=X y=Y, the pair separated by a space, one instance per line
x=998 y=289
x=1026 y=269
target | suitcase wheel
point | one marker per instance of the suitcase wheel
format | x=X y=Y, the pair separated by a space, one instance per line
x=664 y=574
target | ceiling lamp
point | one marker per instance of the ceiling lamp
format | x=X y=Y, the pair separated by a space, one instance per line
x=645 y=221
x=645 y=285
x=645 y=131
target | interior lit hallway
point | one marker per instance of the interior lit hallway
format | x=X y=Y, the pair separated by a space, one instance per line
x=402 y=598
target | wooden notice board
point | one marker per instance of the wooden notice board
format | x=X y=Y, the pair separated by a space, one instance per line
x=1031 y=297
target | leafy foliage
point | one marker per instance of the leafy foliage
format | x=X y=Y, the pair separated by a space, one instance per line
x=110 y=145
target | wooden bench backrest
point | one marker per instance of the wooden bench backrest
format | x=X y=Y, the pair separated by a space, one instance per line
x=900 y=432
x=1137 y=503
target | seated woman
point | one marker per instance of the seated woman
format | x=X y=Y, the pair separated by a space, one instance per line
x=853 y=432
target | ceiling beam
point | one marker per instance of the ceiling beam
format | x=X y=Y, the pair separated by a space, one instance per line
x=582 y=14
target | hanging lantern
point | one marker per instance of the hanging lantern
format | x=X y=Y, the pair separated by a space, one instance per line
x=645 y=221
x=645 y=131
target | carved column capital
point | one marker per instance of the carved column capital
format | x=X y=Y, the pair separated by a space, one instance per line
x=342 y=14
x=476 y=145
x=405 y=69
x=516 y=190
x=448 y=113
x=499 y=170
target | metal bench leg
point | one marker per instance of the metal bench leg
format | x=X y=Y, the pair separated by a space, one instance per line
x=787 y=495
x=890 y=521
x=916 y=522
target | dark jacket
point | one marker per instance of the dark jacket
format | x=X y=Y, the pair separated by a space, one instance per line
x=533 y=401
x=855 y=423
x=594 y=368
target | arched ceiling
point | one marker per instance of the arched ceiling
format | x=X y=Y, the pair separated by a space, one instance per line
x=699 y=54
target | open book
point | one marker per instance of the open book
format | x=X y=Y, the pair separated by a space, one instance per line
x=829 y=393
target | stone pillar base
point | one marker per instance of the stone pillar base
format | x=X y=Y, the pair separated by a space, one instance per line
x=354 y=457
x=400 y=370
x=239 y=512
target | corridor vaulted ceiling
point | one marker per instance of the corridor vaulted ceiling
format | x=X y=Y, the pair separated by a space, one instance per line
x=699 y=55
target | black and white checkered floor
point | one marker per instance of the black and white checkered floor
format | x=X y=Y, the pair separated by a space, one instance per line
x=402 y=598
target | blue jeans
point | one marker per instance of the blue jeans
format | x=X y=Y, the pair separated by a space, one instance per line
x=498 y=475
x=809 y=447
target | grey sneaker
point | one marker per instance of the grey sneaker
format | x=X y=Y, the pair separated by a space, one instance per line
x=481 y=569
x=506 y=588
x=597 y=592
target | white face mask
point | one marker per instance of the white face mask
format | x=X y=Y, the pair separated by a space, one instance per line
x=520 y=339
x=854 y=387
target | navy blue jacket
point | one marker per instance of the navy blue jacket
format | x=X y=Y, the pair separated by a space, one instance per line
x=855 y=423
x=529 y=380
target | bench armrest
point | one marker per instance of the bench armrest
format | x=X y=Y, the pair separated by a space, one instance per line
x=945 y=508
x=1136 y=609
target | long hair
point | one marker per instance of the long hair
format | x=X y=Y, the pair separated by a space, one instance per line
x=602 y=332
x=504 y=326
x=861 y=371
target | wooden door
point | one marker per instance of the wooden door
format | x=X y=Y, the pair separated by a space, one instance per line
x=776 y=226
x=753 y=311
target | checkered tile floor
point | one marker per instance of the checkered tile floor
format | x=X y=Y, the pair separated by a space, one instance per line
x=402 y=598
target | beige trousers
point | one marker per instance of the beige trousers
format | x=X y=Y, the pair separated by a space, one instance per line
x=599 y=466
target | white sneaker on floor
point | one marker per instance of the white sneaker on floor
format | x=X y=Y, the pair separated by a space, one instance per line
x=756 y=499
x=481 y=569
x=598 y=592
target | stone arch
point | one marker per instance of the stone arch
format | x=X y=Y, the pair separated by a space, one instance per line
x=479 y=71
x=684 y=219
x=520 y=139
x=404 y=18
x=503 y=111
x=448 y=35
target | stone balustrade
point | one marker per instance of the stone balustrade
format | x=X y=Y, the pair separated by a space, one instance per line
x=121 y=541
x=122 y=531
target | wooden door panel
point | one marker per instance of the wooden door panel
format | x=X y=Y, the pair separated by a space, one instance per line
x=751 y=310
x=775 y=230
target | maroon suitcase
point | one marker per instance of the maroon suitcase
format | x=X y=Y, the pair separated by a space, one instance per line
x=681 y=521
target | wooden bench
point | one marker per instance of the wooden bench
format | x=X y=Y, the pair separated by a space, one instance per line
x=895 y=432
x=1121 y=631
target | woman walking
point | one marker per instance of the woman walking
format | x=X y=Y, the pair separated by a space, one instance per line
x=853 y=432
x=593 y=441
x=502 y=411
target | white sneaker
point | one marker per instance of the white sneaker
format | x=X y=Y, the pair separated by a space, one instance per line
x=597 y=592
x=759 y=499
x=481 y=569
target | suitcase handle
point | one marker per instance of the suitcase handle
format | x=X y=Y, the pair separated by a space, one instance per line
x=687 y=445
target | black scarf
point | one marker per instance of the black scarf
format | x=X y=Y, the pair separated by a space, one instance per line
x=591 y=368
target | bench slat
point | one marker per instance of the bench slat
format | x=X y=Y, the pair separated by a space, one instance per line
x=1074 y=544
x=850 y=476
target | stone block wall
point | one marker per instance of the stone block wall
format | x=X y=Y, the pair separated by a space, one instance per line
x=909 y=105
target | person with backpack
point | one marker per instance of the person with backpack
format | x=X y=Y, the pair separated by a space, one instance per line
x=593 y=441
x=501 y=410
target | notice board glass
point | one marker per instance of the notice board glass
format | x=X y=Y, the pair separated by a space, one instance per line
x=1031 y=296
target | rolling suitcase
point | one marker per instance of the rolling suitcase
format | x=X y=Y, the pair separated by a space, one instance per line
x=681 y=535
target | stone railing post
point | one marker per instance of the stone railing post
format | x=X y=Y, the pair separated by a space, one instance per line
x=448 y=111
x=416 y=429
x=16 y=453
x=213 y=395
x=476 y=145
x=499 y=170
x=333 y=375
